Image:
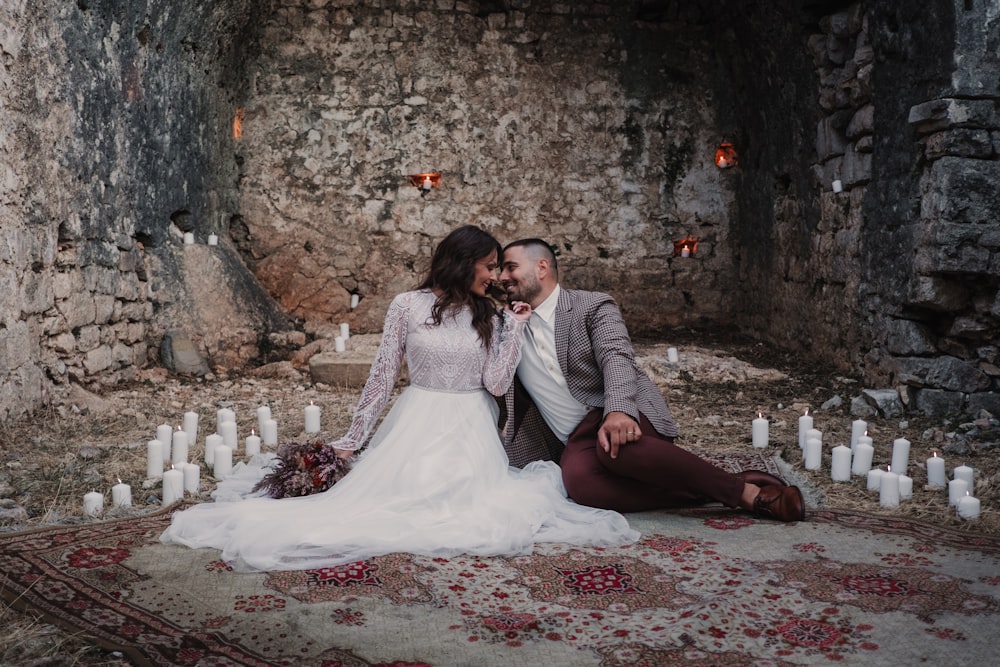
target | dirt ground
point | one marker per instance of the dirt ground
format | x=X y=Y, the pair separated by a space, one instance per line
x=87 y=441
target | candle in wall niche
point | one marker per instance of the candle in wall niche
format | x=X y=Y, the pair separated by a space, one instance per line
x=253 y=444
x=192 y=478
x=759 y=432
x=179 y=447
x=188 y=238
x=862 y=462
x=905 y=487
x=858 y=428
x=121 y=495
x=813 y=454
x=672 y=356
x=339 y=345
x=312 y=418
x=874 y=479
x=212 y=442
x=269 y=432
x=191 y=426
x=956 y=489
x=93 y=503
x=228 y=432
x=900 y=455
x=935 y=471
x=805 y=423
x=355 y=299
x=165 y=433
x=685 y=251
x=889 y=489
x=965 y=473
x=838 y=185
x=345 y=330
x=840 y=468
x=968 y=507
x=154 y=459
x=263 y=414
x=173 y=486
x=223 y=462
x=213 y=239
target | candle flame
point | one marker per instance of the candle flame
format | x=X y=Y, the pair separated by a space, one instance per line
x=252 y=432
x=760 y=415
x=934 y=454
x=888 y=468
x=119 y=480
x=807 y=412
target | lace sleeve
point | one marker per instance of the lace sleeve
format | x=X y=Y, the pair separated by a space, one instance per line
x=504 y=354
x=381 y=378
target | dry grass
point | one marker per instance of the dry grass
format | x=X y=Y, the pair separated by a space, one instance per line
x=83 y=443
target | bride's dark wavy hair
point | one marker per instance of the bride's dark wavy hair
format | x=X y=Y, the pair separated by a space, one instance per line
x=453 y=267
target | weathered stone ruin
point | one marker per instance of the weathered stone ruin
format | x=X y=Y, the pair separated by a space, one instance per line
x=857 y=228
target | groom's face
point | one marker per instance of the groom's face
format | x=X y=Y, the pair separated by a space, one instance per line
x=519 y=276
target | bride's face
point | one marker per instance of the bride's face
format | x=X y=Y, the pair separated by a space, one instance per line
x=485 y=273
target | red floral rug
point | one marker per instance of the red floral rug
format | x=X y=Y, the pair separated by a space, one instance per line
x=704 y=587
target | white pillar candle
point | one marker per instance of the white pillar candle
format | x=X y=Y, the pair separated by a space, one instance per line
x=93 y=503
x=888 y=495
x=813 y=454
x=179 y=447
x=165 y=433
x=956 y=489
x=862 y=462
x=858 y=428
x=900 y=455
x=815 y=434
x=355 y=299
x=263 y=414
x=685 y=251
x=269 y=432
x=345 y=330
x=223 y=415
x=173 y=486
x=968 y=507
x=154 y=459
x=228 y=432
x=188 y=238
x=840 y=468
x=759 y=432
x=837 y=185
x=339 y=345
x=935 y=471
x=905 y=487
x=213 y=239
x=121 y=495
x=212 y=442
x=874 y=479
x=672 y=355
x=192 y=477
x=805 y=423
x=253 y=444
x=191 y=427
x=312 y=418
x=964 y=472
x=863 y=440
x=223 y=462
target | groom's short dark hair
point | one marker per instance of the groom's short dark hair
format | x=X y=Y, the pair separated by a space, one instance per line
x=537 y=248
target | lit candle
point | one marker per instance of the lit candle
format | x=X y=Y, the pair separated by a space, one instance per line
x=427 y=184
x=355 y=299
x=93 y=503
x=345 y=330
x=253 y=444
x=863 y=454
x=935 y=471
x=889 y=489
x=964 y=472
x=312 y=418
x=179 y=447
x=858 y=428
x=813 y=454
x=339 y=345
x=164 y=433
x=121 y=495
x=905 y=487
x=968 y=507
x=269 y=432
x=223 y=462
x=192 y=477
x=154 y=459
x=840 y=469
x=263 y=414
x=863 y=440
x=759 y=432
x=173 y=486
x=874 y=479
x=228 y=432
x=191 y=426
x=900 y=455
x=685 y=251
x=212 y=442
x=672 y=355
x=956 y=489
x=213 y=239
x=805 y=423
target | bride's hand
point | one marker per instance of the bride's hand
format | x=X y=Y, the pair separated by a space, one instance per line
x=520 y=310
x=344 y=453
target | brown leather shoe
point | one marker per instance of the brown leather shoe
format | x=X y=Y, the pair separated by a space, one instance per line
x=760 y=478
x=784 y=503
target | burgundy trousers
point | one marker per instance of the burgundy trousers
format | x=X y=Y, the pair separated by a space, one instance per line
x=650 y=473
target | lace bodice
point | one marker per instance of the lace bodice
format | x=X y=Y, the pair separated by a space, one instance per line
x=448 y=357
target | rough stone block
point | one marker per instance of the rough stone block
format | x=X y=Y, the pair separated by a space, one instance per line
x=985 y=400
x=945 y=113
x=945 y=372
x=906 y=337
x=938 y=403
x=959 y=143
x=341 y=369
x=885 y=401
x=179 y=354
x=937 y=293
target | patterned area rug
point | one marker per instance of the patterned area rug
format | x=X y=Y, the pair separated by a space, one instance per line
x=703 y=587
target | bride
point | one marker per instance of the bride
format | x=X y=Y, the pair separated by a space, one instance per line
x=434 y=479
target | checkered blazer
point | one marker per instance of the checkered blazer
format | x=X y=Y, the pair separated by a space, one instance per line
x=596 y=357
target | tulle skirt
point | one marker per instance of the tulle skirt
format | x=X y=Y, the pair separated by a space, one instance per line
x=433 y=481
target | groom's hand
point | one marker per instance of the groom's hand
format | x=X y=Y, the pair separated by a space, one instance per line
x=617 y=429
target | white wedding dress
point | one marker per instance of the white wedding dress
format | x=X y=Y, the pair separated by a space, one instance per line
x=434 y=479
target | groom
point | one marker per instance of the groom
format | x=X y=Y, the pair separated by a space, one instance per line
x=580 y=399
